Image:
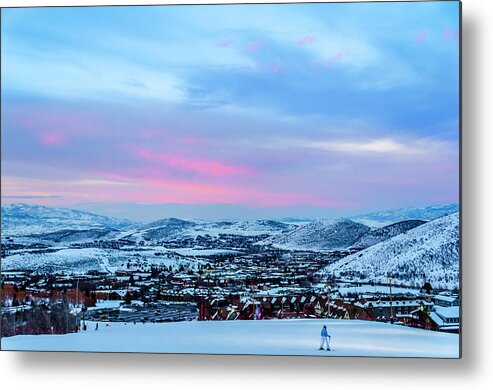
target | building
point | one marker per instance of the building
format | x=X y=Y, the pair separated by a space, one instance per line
x=446 y=318
x=446 y=300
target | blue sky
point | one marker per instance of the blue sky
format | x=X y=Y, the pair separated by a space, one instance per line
x=263 y=110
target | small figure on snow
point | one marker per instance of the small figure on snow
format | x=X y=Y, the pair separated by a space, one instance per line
x=325 y=338
x=97 y=326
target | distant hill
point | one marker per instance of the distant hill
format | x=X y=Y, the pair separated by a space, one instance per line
x=172 y=228
x=410 y=248
x=25 y=219
x=383 y=218
x=429 y=251
x=323 y=235
x=384 y=233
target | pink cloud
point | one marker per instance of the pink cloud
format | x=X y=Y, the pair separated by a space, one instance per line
x=51 y=138
x=449 y=33
x=337 y=57
x=276 y=69
x=226 y=43
x=60 y=120
x=193 y=164
x=151 y=187
x=254 y=45
x=307 y=39
x=209 y=190
x=197 y=188
x=421 y=37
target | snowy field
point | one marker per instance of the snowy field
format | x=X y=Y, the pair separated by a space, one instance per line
x=275 y=337
x=111 y=260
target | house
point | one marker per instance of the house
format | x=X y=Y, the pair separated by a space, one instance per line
x=446 y=318
x=446 y=300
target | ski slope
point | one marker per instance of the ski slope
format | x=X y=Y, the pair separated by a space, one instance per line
x=274 y=337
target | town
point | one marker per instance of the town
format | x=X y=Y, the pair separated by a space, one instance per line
x=270 y=284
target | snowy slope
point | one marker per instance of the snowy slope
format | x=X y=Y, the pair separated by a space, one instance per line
x=85 y=259
x=244 y=228
x=173 y=228
x=384 y=233
x=328 y=234
x=382 y=218
x=24 y=219
x=162 y=229
x=430 y=250
x=274 y=337
x=73 y=236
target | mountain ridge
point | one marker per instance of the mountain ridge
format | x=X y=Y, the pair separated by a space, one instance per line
x=428 y=252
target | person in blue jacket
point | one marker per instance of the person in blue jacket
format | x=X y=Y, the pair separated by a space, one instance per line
x=325 y=338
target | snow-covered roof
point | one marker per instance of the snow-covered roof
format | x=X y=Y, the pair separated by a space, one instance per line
x=446 y=298
x=447 y=312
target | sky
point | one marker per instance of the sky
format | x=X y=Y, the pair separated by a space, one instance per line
x=231 y=111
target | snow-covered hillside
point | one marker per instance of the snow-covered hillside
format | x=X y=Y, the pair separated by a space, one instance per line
x=75 y=235
x=173 y=228
x=24 y=219
x=46 y=238
x=274 y=337
x=429 y=251
x=324 y=235
x=85 y=259
x=387 y=217
x=66 y=226
x=384 y=233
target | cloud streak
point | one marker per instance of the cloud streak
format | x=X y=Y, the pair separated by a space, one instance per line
x=179 y=161
x=307 y=39
x=254 y=45
x=51 y=138
x=378 y=146
x=226 y=43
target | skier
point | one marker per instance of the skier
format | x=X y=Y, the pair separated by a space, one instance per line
x=325 y=338
x=97 y=326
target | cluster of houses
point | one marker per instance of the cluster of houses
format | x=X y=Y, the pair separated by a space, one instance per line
x=434 y=312
x=241 y=287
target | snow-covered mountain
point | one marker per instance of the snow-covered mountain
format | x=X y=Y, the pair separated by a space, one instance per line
x=24 y=219
x=162 y=229
x=410 y=247
x=377 y=235
x=172 y=228
x=66 y=225
x=245 y=228
x=429 y=251
x=75 y=235
x=323 y=235
x=387 y=217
